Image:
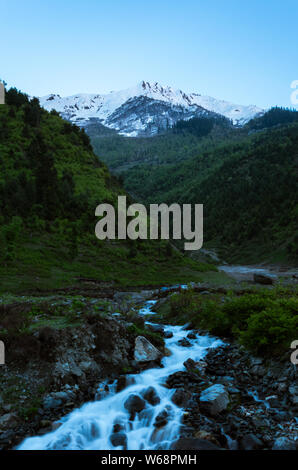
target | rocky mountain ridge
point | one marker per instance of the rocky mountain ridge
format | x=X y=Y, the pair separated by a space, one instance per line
x=145 y=109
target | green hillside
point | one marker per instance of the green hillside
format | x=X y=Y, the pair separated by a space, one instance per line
x=248 y=186
x=50 y=184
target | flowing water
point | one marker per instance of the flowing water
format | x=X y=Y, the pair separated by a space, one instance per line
x=91 y=426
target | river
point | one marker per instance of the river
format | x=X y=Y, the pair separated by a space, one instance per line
x=97 y=424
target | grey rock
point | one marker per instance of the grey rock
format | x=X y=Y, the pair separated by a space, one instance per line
x=184 y=342
x=214 y=399
x=168 y=334
x=145 y=351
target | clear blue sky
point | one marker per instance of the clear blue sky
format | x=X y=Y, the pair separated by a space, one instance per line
x=242 y=51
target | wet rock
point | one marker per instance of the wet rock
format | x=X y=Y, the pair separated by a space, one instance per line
x=163 y=417
x=181 y=397
x=118 y=427
x=168 y=334
x=121 y=383
x=188 y=443
x=119 y=439
x=184 y=342
x=145 y=351
x=214 y=399
x=283 y=443
x=191 y=335
x=150 y=395
x=134 y=404
x=263 y=279
x=250 y=442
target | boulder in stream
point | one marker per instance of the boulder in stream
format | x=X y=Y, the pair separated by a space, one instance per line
x=150 y=395
x=119 y=439
x=134 y=404
x=145 y=351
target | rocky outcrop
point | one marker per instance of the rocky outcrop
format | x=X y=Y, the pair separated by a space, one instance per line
x=61 y=370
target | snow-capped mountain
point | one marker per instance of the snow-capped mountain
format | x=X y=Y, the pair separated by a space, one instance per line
x=145 y=109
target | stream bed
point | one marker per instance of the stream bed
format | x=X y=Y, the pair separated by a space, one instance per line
x=141 y=416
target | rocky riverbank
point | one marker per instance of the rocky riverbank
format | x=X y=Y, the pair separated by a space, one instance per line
x=238 y=401
x=51 y=370
x=229 y=399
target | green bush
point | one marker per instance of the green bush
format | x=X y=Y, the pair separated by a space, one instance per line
x=265 y=321
x=270 y=330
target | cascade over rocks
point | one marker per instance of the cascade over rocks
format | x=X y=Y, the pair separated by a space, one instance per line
x=218 y=400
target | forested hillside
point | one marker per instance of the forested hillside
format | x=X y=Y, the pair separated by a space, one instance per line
x=50 y=184
x=248 y=186
x=185 y=140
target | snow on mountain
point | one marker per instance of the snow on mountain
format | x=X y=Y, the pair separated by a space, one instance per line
x=144 y=109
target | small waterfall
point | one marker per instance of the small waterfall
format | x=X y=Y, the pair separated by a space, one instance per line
x=106 y=424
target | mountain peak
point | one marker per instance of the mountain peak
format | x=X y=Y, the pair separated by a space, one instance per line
x=170 y=105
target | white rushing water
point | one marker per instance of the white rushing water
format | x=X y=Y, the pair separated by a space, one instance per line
x=91 y=426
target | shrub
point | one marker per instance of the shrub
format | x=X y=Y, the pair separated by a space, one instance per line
x=270 y=331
